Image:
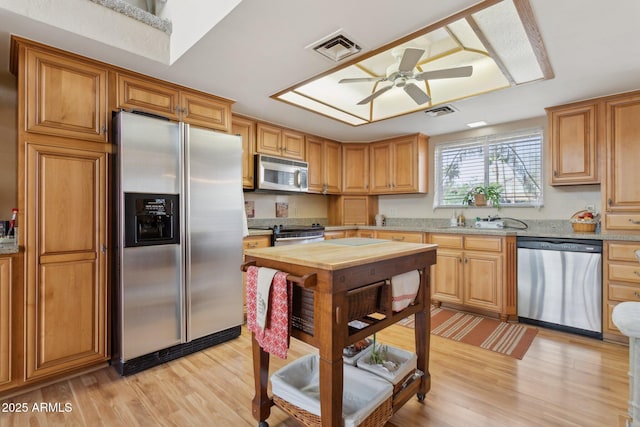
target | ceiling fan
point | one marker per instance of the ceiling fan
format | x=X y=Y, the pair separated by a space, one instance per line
x=402 y=73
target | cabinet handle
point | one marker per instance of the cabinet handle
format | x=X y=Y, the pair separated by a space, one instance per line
x=104 y=129
x=103 y=249
x=634 y=221
x=636 y=294
x=185 y=111
x=177 y=109
x=466 y=260
x=460 y=259
x=555 y=173
x=636 y=272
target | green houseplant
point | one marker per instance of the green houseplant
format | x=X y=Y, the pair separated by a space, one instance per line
x=480 y=195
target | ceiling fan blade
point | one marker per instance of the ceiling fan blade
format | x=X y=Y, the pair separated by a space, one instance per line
x=447 y=73
x=410 y=59
x=360 y=79
x=375 y=95
x=417 y=94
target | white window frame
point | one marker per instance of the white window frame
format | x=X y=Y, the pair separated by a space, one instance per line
x=484 y=142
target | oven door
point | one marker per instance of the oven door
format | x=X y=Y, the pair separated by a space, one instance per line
x=282 y=241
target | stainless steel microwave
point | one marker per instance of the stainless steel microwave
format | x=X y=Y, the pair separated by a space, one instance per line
x=276 y=173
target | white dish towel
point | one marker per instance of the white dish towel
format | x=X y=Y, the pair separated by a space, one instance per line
x=404 y=288
x=265 y=277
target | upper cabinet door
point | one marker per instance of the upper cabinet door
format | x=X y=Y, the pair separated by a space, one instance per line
x=355 y=170
x=380 y=167
x=65 y=97
x=205 y=111
x=623 y=152
x=573 y=139
x=149 y=96
x=246 y=129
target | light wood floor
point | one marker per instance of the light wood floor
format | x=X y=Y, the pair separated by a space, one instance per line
x=563 y=380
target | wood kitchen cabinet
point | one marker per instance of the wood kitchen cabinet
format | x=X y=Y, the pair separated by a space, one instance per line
x=400 y=236
x=352 y=210
x=246 y=129
x=174 y=102
x=325 y=165
x=277 y=141
x=475 y=273
x=575 y=132
x=621 y=195
x=621 y=273
x=6 y=317
x=67 y=96
x=63 y=216
x=399 y=165
x=355 y=168
x=66 y=257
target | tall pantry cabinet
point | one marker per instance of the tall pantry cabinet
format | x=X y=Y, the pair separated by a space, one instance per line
x=63 y=200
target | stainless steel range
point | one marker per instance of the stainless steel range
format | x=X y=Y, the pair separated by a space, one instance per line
x=297 y=234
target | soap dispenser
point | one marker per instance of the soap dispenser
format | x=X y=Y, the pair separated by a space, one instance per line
x=453 y=221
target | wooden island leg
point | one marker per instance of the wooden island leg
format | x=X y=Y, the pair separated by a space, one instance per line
x=261 y=404
x=423 y=335
x=331 y=382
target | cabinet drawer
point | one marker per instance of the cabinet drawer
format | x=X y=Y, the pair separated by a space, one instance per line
x=483 y=243
x=366 y=233
x=256 y=242
x=619 y=221
x=400 y=236
x=619 y=292
x=624 y=272
x=330 y=235
x=623 y=251
x=447 y=240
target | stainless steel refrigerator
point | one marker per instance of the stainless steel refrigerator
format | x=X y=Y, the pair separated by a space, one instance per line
x=178 y=284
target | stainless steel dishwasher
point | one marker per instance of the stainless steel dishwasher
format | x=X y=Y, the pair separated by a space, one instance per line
x=560 y=284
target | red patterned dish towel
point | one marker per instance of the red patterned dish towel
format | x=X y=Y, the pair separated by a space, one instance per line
x=274 y=338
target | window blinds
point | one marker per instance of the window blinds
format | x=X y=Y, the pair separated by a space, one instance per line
x=513 y=161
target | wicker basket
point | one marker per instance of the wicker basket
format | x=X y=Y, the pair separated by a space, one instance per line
x=377 y=418
x=582 y=225
x=368 y=299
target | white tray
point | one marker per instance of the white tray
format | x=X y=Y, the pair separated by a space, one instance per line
x=406 y=360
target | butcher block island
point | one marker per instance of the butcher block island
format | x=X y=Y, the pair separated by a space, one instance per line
x=342 y=293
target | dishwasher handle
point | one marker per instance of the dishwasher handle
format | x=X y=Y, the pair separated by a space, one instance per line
x=564 y=245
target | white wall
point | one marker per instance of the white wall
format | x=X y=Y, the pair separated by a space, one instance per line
x=559 y=202
x=300 y=205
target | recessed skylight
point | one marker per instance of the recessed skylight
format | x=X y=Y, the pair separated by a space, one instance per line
x=473 y=52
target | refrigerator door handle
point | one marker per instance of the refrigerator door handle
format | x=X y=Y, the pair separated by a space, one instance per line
x=185 y=301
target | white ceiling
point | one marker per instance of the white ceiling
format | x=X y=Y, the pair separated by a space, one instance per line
x=258 y=49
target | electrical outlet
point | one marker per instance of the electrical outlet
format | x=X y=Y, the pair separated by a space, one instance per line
x=591 y=208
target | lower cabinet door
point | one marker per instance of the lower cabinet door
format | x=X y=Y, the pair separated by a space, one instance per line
x=5 y=321
x=483 y=280
x=65 y=240
x=446 y=277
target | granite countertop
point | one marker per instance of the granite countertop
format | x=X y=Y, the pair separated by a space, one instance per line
x=8 y=248
x=548 y=228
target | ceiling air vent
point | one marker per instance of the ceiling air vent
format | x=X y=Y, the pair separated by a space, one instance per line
x=440 y=110
x=336 y=47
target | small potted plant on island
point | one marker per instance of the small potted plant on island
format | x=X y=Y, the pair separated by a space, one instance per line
x=480 y=195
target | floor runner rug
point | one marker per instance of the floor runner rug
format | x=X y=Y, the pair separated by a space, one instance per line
x=511 y=339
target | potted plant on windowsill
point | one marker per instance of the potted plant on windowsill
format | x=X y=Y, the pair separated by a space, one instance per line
x=481 y=195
